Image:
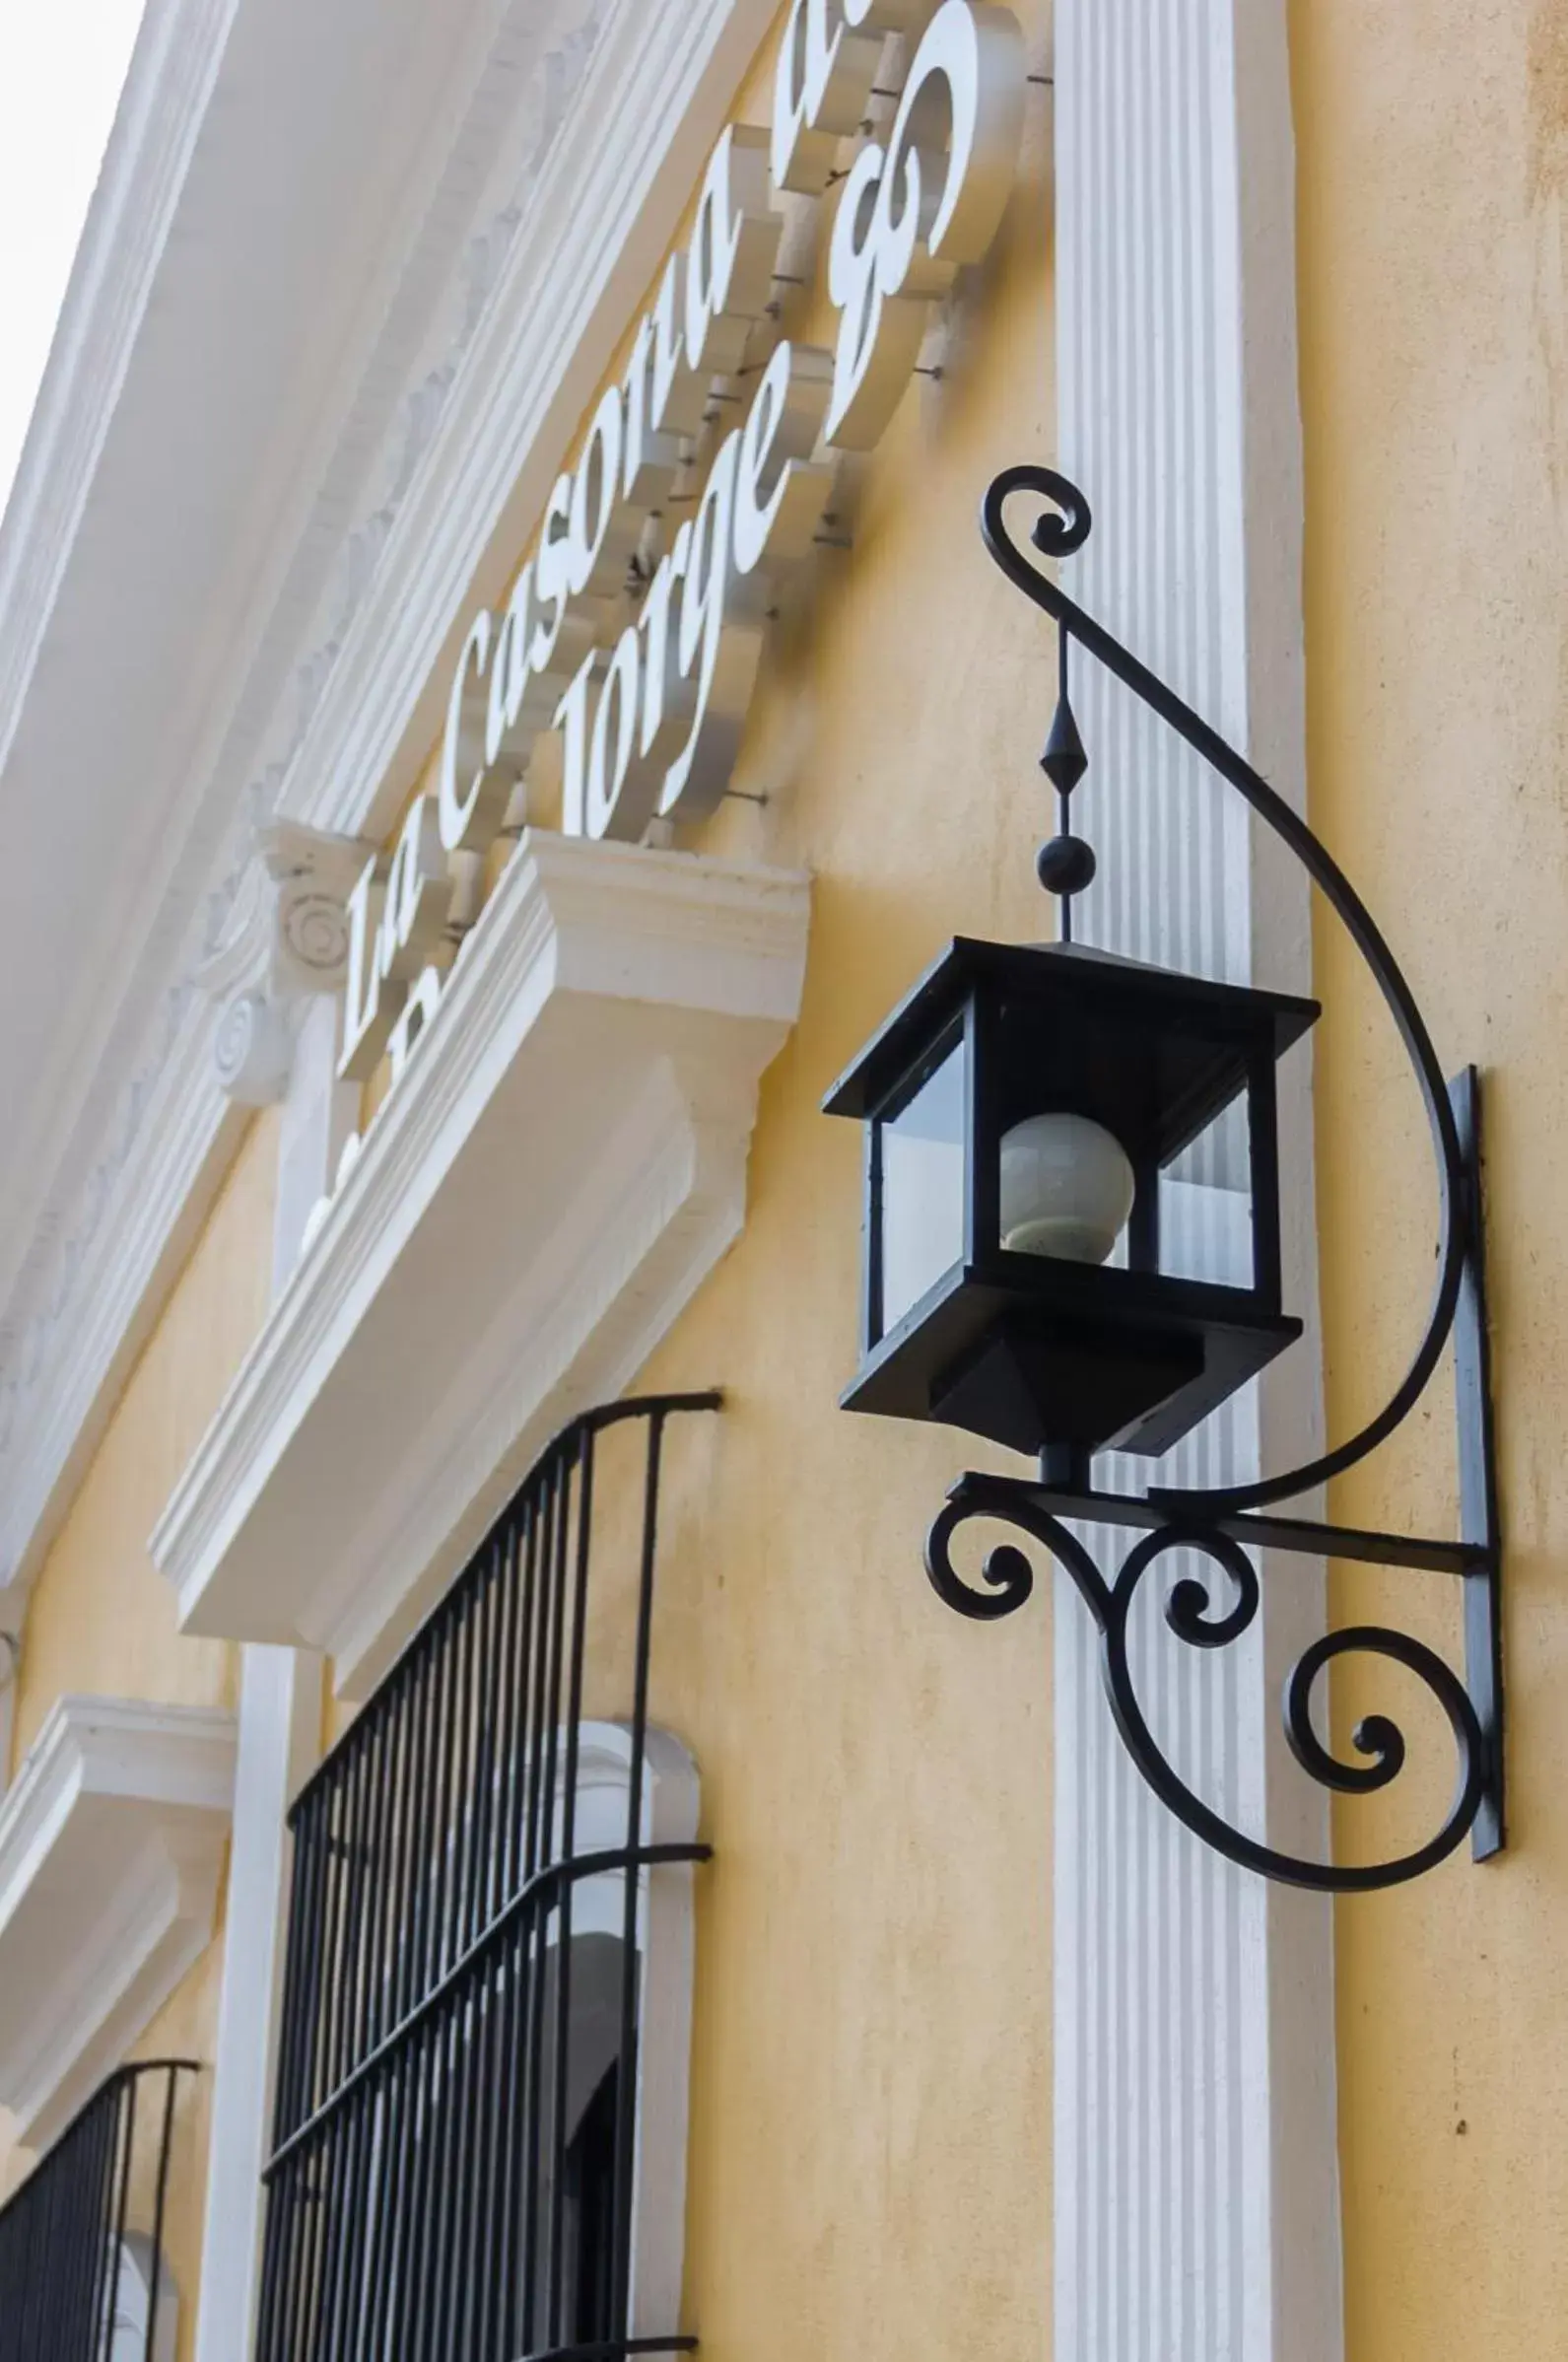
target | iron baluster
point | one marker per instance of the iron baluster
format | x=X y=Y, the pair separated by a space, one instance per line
x=417 y=2187
x=90 y=2215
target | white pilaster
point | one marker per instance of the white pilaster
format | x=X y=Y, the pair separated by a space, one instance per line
x=279 y=1740
x=318 y=1115
x=1196 y=2199
x=280 y=1744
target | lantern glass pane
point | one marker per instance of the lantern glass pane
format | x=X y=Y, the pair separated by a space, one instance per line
x=1206 y=1206
x=923 y=1188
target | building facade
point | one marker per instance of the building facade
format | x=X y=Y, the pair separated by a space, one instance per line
x=502 y=1849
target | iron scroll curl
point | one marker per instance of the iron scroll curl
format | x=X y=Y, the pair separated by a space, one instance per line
x=1191 y=1616
x=1061 y=528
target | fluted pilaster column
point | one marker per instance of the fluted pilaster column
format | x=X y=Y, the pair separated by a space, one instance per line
x=1197 y=2201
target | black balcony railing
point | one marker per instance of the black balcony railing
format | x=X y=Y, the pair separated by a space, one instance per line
x=82 y=2276
x=453 y=2170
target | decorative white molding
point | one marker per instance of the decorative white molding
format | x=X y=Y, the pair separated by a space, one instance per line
x=323 y=320
x=561 y=1164
x=288 y=937
x=1195 y=2161
x=111 y=1844
x=134 y=1140
x=287 y=934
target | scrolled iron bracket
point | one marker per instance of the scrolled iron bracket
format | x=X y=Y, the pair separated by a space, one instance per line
x=1230 y=1527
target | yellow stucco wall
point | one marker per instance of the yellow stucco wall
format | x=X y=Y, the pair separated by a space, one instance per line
x=1434 y=158
x=870 y=2160
x=870 y=2168
x=870 y=2165
x=102 y=1619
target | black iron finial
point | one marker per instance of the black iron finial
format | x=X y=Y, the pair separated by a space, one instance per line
x=1064 y=761
x=1066 y=864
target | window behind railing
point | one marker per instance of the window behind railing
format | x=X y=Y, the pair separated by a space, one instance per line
x=82 y=2277
x=453 y=2178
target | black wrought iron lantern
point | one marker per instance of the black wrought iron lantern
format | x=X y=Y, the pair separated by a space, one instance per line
x=1023 y=1109
x=1026 y=1111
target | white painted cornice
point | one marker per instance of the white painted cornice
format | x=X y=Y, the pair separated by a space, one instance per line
x=562 y=1164
x=606 y=214
x=252 y=437
x=392 y=453
x=169 y=80
x=112 y=1845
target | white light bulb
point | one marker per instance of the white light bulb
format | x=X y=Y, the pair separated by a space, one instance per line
x=1066 y=1188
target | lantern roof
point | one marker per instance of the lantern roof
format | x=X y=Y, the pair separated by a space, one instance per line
x=1196 y=1036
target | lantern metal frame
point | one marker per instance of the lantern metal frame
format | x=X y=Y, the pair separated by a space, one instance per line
x=1130 y=1357
x=1230 y=1526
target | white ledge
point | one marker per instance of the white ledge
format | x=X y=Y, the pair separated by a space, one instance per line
x=562 y=1164
x=112 y=1843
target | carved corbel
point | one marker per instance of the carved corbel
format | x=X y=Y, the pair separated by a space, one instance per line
x=287 y=938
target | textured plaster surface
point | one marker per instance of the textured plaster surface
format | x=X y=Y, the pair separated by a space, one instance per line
x=871 y=2161
x=102 y=1621
x=871 y=2125
x=1434 y=170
